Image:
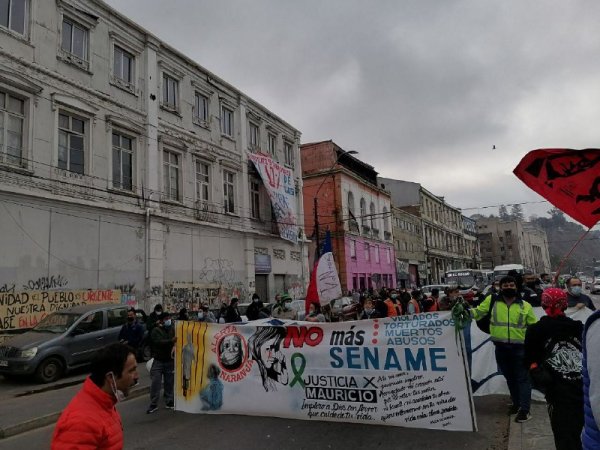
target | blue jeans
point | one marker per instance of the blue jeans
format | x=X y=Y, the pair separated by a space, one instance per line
x=511 y=362
x=162 y=370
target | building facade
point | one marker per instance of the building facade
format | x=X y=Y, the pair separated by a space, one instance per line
x=355 y=209
x=411 y=265
x=444 y=235
x=123 y=165
x=513 y=242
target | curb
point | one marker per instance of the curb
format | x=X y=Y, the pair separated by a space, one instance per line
x=48 y=419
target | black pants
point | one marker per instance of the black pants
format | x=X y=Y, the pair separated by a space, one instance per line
x=566 y=420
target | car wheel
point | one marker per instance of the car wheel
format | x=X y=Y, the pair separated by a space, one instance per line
x=50 y=369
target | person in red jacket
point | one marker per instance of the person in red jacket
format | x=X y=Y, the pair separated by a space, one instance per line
x=90 y=420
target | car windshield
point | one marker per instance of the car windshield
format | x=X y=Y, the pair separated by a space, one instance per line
x=57 y=322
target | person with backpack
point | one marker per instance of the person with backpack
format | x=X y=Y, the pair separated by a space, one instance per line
x=509 y=316
x=553 y=356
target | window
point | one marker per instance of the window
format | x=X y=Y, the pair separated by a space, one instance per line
x=352 y=249
x=367 y=252
x=363 y=212
x=12 y=117
x=91 y=322
x=171 y=175
x=202 y=182
x=255 y=198
x=123 y=65
x=376 y=254
x=373 y=220
x=116 y=317
x=201 y=108
x=388 y=258
x=122 y=161
x=351 y=205
x=226 y=121
x=74 y=39
x=13 y=15
x=386 y=224
x=170 y=86
x=289 y=154
x=272 y=140
x=229 y=192
x=71 y=147
x=254 y=136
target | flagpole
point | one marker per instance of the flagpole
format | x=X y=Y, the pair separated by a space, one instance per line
x=569 y=254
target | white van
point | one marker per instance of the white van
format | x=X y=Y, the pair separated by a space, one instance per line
x=502 y=271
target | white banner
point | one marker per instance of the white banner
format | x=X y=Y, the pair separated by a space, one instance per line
x=279 y=181
x=486 y=378
x=403 y=371
x=328 y=281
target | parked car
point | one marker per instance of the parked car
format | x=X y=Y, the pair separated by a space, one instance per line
x=427 y=289
x=62 y=341
x=345 y=308
x=595 y=286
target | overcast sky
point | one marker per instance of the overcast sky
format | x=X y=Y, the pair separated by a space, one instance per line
x=422 y=89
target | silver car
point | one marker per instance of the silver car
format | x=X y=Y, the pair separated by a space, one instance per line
x=62 y=341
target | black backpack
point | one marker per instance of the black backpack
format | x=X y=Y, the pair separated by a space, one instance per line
x=484 y=323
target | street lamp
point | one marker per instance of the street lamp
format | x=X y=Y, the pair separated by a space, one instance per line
x=316 y=198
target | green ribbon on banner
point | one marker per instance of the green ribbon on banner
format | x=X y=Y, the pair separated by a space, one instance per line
x=298 y=372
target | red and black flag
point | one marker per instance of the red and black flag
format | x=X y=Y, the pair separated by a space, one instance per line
x=567 y=178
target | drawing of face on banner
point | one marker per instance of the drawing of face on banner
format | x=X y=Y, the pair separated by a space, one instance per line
x=265 y=346
x=232 y=354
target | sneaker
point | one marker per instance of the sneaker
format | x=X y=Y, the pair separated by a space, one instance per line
x=522 y=416
x=170 y=406
x=513 y=409
x=151 y=409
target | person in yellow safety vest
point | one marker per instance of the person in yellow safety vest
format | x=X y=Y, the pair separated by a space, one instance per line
x=509 y=318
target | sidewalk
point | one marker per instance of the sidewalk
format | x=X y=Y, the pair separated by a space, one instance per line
x=533 y=435
x=28 y=412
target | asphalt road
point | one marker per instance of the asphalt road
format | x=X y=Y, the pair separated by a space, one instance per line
x=178 y=430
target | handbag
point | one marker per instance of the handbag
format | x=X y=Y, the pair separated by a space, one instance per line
x=149 y=364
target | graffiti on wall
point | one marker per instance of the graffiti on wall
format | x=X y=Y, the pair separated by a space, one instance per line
x=128 y=294
x=25 y=309
x=46 y=283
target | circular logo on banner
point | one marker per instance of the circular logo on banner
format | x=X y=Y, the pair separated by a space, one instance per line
x=231 y=350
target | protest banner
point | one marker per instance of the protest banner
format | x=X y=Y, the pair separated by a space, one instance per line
x=486 y=378
x=328 y=281
x=25 y=309
x=279 y=182
x=402 y=371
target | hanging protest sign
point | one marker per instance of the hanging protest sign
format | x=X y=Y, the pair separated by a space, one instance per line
x=402 y=371
x=279 y=182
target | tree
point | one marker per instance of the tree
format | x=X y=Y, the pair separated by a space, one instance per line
x=516 y=212
x=557 y=217
x=503 y=213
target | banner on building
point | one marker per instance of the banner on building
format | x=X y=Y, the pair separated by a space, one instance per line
x=279 y=182
x=25 y=309
x=405 y=371
x=486 y=378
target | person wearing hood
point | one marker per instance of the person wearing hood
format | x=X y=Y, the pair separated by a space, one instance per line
x=232 y=314
x=163 y=368
x=575 y=296
x=553 y=354
x=253 y=310
x=154 y=317
x=283 y=309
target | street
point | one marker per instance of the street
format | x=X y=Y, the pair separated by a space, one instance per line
x=177 y=430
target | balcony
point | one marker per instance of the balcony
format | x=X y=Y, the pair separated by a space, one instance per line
x=366 y=230
x=375 y=233
x=353 y=226
x=387 y=235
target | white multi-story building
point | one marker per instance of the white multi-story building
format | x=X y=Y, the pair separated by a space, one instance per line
x=123 y=165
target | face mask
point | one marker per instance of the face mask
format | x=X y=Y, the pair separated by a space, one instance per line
x=576 y=290
x=509 y=292
x=200 y=315
x=394 y=296
x=131 y=319
x=368 y=310
x=531 y=285
x=168 y=323
x=255 y=300
x=119 y=395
